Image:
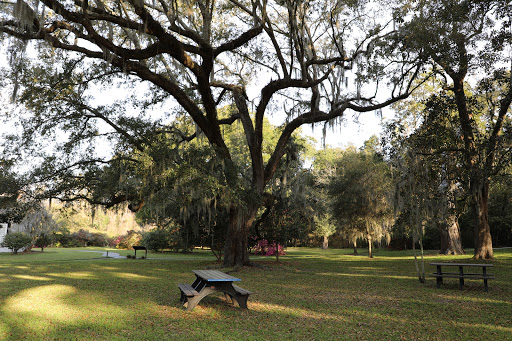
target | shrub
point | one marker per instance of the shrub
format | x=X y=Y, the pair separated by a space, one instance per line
x=83 y=237
x=156 y=240
x=16 y=241
x=263 y=247
x=98 y=239
x=129 y=239
x=43 y=241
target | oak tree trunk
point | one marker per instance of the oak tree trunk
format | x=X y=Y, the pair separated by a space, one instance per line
x=450 y=237
x=236 y=248
x=483 y=239
x=478 y=173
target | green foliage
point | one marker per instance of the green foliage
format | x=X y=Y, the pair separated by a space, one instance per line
x=156 y=240
x=80 y=215
x=362 y=194
x=500 y=210
x=40 y=222
x=43 y=240
x=14 y=207
x=324 y=227
x=16 y=241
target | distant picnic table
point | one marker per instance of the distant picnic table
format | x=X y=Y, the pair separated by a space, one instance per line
x=140 y=247
x=461 y=275
x=210 y=281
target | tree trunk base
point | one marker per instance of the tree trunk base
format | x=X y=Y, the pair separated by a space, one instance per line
x=453 y=252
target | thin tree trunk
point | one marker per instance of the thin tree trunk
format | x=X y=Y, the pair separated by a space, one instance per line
x=325 y=242
x=419 y=272
x=370 y=242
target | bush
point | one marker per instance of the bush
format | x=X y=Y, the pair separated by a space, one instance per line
x=83 y=237
x=16 y=241
x=263 y=247
x=128 y=240
x=156 y=240
x=43 y=241
x=98 y=239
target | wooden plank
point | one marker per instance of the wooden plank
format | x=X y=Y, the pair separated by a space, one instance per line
x=241 y=291
x=187 y=290
x=215 y=276
x=463 y=276
x=462 y=264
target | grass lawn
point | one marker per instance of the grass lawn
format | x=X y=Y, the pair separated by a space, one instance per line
x=310 y=294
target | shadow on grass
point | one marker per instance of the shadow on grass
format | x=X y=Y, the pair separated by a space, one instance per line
x=315 y=299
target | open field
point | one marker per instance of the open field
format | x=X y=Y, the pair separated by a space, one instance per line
x=310 y=294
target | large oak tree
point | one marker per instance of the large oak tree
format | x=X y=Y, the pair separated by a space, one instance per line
x=308 y=61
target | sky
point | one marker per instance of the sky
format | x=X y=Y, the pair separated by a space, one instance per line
x=349 y=132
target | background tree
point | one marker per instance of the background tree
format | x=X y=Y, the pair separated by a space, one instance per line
x=324 y=228
x=324 y=168
x=423 y=146
x=40 y=225
x=362 y=194
x=500 y=200
x=465 y=39
x=14 y=205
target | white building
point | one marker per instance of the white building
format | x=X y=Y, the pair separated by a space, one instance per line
x=3 y=232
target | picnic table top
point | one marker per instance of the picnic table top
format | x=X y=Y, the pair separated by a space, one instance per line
x=215 y=276
x=461 y=264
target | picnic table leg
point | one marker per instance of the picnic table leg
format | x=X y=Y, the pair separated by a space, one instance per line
x=229 y=298
x=192 y=302
x=461 y=278
x=232 y=295
x=485 y=279
x=242 y=300
x=439 y=279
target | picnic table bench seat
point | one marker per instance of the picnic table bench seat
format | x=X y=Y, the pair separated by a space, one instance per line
x=242 y=294
x=241 y=291
x=187 y=290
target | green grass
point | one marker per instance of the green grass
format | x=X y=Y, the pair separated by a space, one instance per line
x=311 y=294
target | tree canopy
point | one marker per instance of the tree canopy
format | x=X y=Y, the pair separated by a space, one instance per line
x=308 y=61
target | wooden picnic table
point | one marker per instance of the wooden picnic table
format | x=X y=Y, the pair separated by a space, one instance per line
x=140 y=247
x=461 y=275
x=211 y=281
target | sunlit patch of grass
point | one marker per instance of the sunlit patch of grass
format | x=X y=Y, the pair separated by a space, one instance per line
x=490 y=327
x=73 y=275
x=132 y=276
x=33 y=278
